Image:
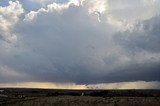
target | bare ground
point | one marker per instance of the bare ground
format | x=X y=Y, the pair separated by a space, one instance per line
x=85 y=101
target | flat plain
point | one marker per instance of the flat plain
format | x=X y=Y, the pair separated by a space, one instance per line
x=52 y=97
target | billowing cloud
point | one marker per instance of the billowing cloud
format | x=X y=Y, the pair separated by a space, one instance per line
x=8 y=19
x=84 y=42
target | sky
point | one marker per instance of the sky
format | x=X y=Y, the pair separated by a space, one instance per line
x=80 y=44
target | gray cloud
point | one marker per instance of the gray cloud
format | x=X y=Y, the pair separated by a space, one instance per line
x=81 y=43
x=145 y=38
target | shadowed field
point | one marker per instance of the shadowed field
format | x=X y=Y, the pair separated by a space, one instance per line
x=43 y=97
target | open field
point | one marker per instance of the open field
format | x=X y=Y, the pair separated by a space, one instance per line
x=49 y=97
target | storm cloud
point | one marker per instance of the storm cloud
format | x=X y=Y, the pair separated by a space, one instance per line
x=80 y=41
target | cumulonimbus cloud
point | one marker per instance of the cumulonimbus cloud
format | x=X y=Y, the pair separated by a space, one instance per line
x=85 y=42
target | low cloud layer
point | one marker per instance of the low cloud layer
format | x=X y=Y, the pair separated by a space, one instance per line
x=80 y=41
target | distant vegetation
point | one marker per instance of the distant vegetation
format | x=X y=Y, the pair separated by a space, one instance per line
x=105 y=93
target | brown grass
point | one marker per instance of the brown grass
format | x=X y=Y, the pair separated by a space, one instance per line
x=88 y=101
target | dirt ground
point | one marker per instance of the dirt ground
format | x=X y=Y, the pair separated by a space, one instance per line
x=84 y=101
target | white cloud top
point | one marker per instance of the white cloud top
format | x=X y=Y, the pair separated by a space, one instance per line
x=8 y=18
